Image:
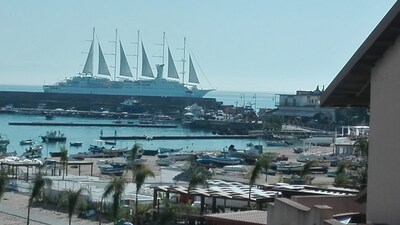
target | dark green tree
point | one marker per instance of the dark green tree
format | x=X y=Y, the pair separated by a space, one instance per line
x=341 y=178
x=38 y=183
x=64 y=159
x=116 y=188
x=140 y=175
x=3 y=183
x=73 y=199
x=254 y=175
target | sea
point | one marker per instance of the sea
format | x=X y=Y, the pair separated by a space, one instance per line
x=90 y=135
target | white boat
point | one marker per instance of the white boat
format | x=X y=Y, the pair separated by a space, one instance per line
x=236 y=168
x=124 y=83
x=27 y=142
x=307 y=156
x=165 y=162
x=288 y=167
x=4 y=142
x=177 y=156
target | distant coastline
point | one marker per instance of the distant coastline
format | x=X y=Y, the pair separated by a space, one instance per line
x=236 y=98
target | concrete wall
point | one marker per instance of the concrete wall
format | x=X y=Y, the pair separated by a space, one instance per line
x=339 y=204
x=383 y=204
x=285 y=211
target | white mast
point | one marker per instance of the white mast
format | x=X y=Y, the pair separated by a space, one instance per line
x=137 y=56
x=115 y=55
x=184 y=60
x=163 y=48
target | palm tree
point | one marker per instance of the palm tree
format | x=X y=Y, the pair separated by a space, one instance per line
x=198 y=175
x=133 y=153
x=64 y=159
x=341 y=178
x=306 y=170
x=266 y=161
x=3 y=183
x=116 y=187
x=361 y=147
x=73 y=198
x=255 y=174
x=38 y=184
x=140 y=176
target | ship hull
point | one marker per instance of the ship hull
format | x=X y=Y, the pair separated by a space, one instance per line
x=101 y=86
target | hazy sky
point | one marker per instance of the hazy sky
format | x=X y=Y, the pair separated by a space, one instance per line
x=257 y=45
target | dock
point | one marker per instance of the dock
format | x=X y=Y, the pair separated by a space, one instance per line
x=92 y=124
x=179 y=137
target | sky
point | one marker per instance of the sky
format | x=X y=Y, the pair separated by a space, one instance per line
x=271 y=46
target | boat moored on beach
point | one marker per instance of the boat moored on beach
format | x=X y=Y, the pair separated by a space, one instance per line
x=113 y=171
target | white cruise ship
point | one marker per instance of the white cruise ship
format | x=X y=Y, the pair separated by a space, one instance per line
x=124 y=84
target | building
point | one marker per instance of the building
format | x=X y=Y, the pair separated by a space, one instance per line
x=371 y=79
x=304 y=106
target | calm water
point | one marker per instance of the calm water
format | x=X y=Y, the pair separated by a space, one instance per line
x=88 y=135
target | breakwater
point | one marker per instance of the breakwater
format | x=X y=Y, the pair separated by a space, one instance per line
x=72 y=124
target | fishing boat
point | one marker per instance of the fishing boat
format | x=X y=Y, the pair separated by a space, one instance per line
x=27 y=142
x=33 y=152
x=132 y=105
x=53 y=136
x=124 y=83
x=151 y=152
x=288 y=167
x=168 y=150
x=165 y=162
x=250 y=154
x=298 y=150
x=75 y=144
x=4 y=142
x=110 y=142
x=114 y=171
x=218 y=160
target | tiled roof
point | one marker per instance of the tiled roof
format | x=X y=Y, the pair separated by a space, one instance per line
x=245 y=217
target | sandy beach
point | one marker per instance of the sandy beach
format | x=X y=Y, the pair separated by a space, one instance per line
x=17 y=202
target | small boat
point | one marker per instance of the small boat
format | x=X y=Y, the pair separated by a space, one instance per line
x=114 y=171
x=298 y=150
x=33 y=152
x=75 y=144
x=110 y=142
x=281 y=158
x=150 y=152
x=166 y=150
x=49 y=117
x=53 y=136
x=287 y=167
x=4 y=141
x=165 y=162
x=177 y=156
x=236 y=168
x=276 y=143
x=55 y=154
x=223 y=160
x=27 y=142
x=118 y=165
